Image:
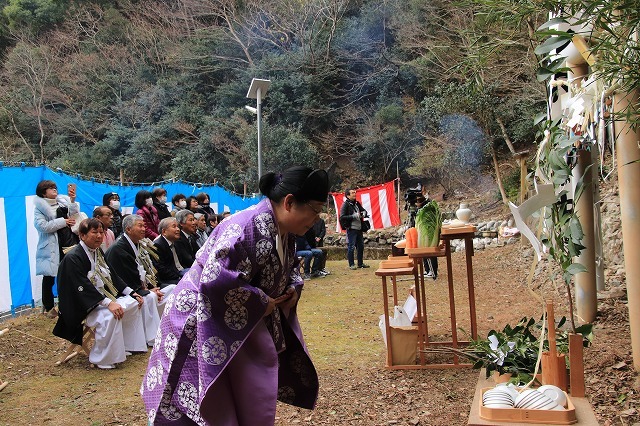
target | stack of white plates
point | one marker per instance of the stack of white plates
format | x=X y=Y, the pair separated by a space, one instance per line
x=546 y=397
x=534 y=400
x=554 y=393
x=499 y=397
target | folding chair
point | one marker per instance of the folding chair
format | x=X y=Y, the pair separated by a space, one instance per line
x=88 y=339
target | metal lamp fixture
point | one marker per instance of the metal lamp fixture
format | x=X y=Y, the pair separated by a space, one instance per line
x=257 y=91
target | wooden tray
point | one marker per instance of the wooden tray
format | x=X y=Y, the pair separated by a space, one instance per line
x=392 y=257
x=401 y=263
x=452 y=230
x=523 y=415
x=422 y=251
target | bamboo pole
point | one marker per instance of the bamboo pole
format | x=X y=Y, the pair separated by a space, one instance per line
x=32 y=336
x=585 y=282
x=628 y=156
x=522 y=159
x=398 y=195
x=597 y=223
x=503 y=194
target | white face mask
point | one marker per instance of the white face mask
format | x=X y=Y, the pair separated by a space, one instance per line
x=182 y=204
x=149 y=202
x=115 y=205
x=162 y=200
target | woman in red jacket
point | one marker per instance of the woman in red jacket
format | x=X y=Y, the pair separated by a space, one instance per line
x=144 y=203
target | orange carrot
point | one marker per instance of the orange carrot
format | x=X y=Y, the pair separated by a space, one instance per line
x=411 y=235
x=414 y=237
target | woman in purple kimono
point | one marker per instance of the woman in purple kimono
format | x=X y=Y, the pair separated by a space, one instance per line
x=229 y=344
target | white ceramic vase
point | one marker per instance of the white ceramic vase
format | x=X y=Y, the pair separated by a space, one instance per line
x=463 y=213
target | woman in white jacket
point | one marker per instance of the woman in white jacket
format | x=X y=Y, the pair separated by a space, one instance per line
x=47 y=206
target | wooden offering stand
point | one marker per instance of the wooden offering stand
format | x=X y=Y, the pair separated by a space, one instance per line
x=467 y=233
x=415 y=256
x=392 y=269
x=554 y=370
x=576 y=365
x=554 y=367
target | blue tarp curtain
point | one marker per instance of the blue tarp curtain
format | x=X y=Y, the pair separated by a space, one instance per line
x=18 y=238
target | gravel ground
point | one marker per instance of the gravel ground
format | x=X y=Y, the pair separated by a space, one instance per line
x=339 y=316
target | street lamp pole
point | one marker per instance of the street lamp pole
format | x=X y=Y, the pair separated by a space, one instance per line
x=257 y=90
x=259 y=107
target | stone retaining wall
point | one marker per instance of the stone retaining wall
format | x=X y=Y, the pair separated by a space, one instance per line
x=613 y=256
x=378 y=242
x=370 y=253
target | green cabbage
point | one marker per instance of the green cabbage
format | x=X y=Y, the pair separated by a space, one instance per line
x=428 y=223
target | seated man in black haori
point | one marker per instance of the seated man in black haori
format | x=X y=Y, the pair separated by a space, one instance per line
x=90 y=291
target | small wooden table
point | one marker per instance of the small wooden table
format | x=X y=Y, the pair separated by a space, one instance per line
x=418 y=254
x=466 y=233
x=393 y=273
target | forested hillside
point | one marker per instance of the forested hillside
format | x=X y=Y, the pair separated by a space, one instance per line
x=363 y=88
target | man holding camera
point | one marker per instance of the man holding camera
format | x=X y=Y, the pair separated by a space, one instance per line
x=415 y=199
x=352 y=219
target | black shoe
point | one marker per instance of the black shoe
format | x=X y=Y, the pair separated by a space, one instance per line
x=364 y=265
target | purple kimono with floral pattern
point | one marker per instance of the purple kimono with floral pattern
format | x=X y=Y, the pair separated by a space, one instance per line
x=218 y=307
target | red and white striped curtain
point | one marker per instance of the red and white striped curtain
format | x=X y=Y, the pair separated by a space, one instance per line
x=378 y=200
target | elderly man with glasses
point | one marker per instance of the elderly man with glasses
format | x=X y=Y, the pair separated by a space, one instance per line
x=186 y=246
x=168 y=266
x=105 y=215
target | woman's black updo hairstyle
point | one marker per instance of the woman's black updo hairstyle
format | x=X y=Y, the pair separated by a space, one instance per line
x=302 y=182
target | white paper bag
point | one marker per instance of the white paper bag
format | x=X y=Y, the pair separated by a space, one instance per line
x=400 y=319
x=410 y=308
